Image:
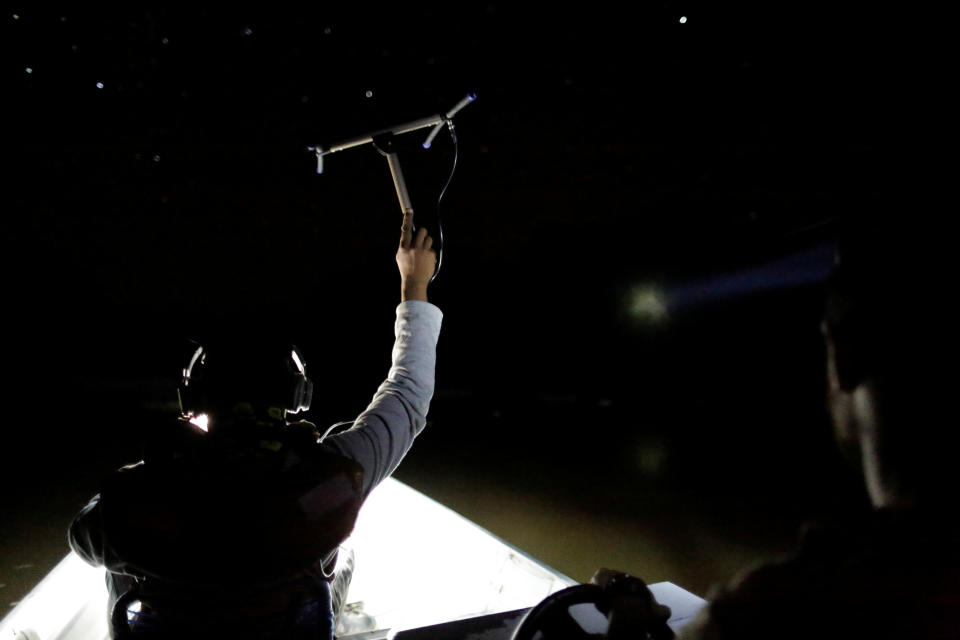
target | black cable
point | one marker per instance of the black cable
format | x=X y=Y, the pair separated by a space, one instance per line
x=456 y=155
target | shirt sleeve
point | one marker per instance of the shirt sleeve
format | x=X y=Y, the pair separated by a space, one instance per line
x=384 y=432
x=86 y=533
x=87 y=539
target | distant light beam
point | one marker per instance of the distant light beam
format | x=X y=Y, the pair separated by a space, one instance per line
x=807 y=267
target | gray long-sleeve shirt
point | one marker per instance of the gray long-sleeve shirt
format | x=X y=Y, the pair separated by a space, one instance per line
x=382 y=435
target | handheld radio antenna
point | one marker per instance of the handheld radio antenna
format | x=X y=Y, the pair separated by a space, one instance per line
x=435 y=121
x=381 y=140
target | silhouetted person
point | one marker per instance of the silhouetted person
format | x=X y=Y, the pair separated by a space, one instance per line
x=231 y=525
x=893 y=572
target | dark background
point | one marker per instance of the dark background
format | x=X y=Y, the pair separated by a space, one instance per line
x=608 y=151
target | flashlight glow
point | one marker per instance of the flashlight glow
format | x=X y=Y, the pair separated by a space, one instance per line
x=647 y=305
x=201 y=421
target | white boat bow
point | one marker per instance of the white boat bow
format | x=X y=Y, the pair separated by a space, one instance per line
x=417 y=564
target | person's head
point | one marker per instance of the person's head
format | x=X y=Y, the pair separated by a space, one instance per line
x=234 y=382
x=237 y=401
x=888 y=359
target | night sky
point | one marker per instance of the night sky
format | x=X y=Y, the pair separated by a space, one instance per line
x=158 y=186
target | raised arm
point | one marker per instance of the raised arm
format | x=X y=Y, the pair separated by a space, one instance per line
x=382 y=435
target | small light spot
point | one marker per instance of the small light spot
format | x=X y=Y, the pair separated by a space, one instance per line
x=29 y=69
x=652 y=456
x=683 y=19
x=73 y=47
x=327 y=31
x=99 y=85
x=647 y=305
x=156 y=158
x=248 y=31
x=63 y=18
x=304 y=99
x=164 y=40
x=16 y=16
x=369 y=93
